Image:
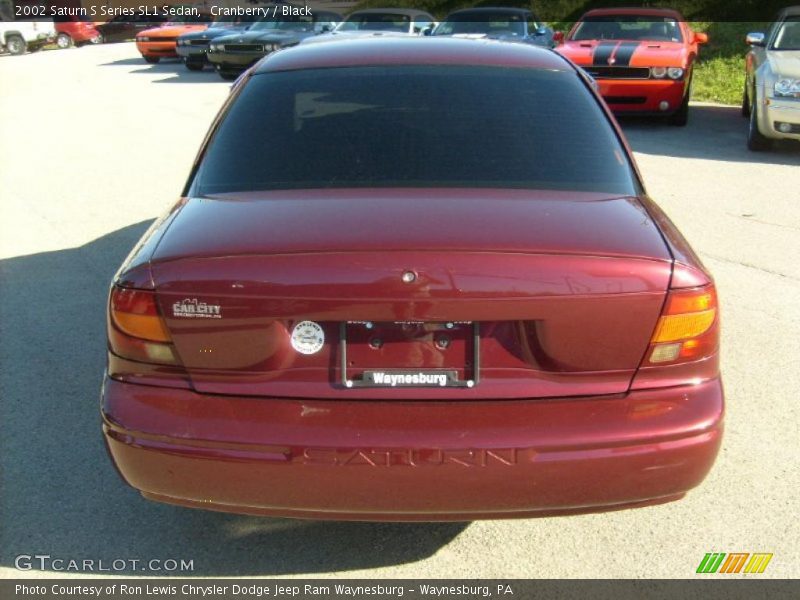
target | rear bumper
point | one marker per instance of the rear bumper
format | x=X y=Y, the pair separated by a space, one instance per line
x=412 y=460
x=642 y=96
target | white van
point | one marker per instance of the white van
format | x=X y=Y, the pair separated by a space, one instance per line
x=16 y=37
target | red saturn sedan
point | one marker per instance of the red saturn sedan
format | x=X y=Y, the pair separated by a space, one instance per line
x=413 y=279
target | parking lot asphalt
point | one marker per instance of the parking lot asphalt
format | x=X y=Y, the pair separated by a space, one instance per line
x=95 y=144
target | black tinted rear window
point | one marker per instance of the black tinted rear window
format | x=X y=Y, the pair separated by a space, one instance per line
x=416 y=126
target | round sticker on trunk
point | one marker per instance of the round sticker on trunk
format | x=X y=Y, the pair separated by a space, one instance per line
x=308 y=337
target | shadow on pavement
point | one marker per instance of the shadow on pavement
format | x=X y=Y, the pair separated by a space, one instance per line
x=172 y=67
x=713 y=133
x=126 y=62
x=60 y=494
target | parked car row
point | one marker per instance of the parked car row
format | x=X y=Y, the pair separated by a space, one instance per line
x=231 y=47
x=21 y=36
x=641 y=59
x=231 y=52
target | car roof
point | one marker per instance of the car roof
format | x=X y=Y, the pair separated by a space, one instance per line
x=398 y=11
x=384 y=50
x=645 y=12
x=488 y=9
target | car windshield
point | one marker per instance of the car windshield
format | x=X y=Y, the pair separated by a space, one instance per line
x=416 y=126
x=483 y=23
x=226 y=24
x=199 y=18
x=628 y=27
x=375 y=22
x=788 y=36
x=294 y=24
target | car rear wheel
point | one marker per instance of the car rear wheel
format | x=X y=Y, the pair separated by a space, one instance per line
x=194 y=65
x=16 y=45
x=756 y=141
x=63 y=41
x=100 y=39
x=153 y=60
x=745 y=103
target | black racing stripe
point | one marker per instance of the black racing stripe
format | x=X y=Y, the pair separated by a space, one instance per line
x=603 y=52
x=624 y=53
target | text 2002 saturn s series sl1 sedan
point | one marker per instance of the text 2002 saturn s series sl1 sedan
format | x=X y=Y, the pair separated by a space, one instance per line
x=413 y=279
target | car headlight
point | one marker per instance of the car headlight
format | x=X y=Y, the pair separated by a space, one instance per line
x=659 y=72
x=214 y=47
x=787 y=88
x=675 y=72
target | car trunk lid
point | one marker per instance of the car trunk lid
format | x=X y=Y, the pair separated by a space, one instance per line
x=562 y=289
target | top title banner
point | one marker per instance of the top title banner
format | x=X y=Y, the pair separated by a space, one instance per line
x=553 y=11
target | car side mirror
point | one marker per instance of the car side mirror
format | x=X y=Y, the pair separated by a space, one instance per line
x=701 y=38
x=755 y=39
x=558 y=37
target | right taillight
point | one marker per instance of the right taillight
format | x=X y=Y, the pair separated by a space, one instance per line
x=687 y=329
x=136 y=330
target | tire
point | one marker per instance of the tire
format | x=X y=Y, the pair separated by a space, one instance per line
x=680 y=118
x=228 y=75
x=756 y=141
x=100 y=39
x=16 y=45
x=153 y=60
x=745 y=102
x=64 y=41
x=194 y=65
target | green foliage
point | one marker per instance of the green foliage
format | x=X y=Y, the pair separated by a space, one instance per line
x=719 y=75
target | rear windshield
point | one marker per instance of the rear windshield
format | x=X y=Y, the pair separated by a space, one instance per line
x=415 y=126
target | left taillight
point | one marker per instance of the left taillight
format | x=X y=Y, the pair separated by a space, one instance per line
x=136 y=330
x=687 y=329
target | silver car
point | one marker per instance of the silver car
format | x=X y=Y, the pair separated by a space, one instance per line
x=772 y=85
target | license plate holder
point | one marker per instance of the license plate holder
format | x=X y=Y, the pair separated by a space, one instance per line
x=400 y=376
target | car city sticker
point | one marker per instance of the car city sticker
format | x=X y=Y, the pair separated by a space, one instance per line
x=308 y=337
x=192 y=308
